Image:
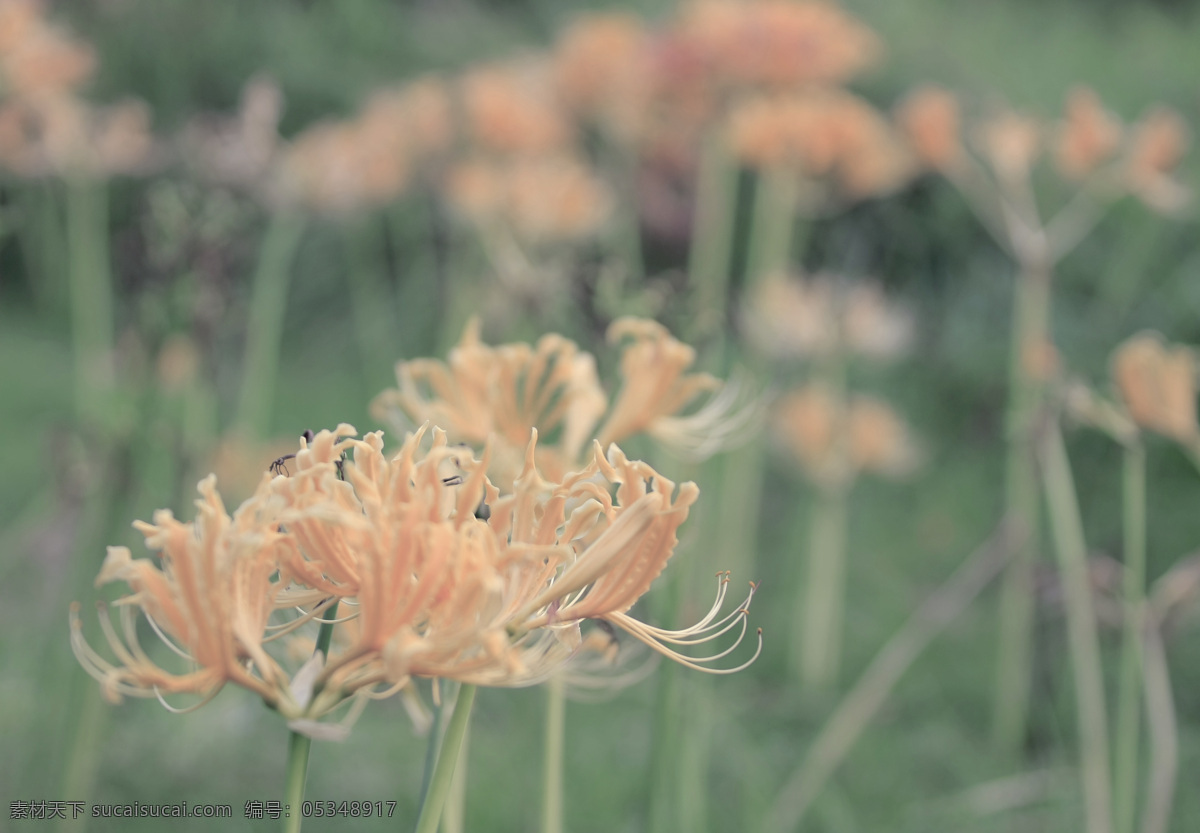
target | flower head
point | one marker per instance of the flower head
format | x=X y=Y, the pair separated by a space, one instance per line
x=512 y=108
x=65 y=136
x=37 y=58
x=209 y=601
x=1011 y=144
x=835 y=439
x=778 y=42
x=820 y=134
x=1088 y=136
x=502 y=392
x=538 y=200
x=1158 y=386
x=816 y=317
x=1159 y=143
x=601 y=65
x=238 y=150
x=929 y=119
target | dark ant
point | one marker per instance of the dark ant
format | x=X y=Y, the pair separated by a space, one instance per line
x=482 y=511
x=280 y=465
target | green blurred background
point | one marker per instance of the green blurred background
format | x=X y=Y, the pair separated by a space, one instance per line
x=920 y=762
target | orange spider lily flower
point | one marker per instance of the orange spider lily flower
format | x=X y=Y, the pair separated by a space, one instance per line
x=208 y=601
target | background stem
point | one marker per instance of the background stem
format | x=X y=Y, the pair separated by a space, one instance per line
x=1164 y=734
x=775 y=195
x=1030 y=332
x=819 y=636
x=1067 y=529
x=1128 y=739
x=711 y=246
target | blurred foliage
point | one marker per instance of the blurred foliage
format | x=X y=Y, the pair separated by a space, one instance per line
x=930 y=746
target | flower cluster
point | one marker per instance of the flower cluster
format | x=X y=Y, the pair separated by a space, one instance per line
x=832 y=434
x=818 y=316
x=835 y=440
x=826 y=136
x=507 y=143
x=440 y=564
x=1088 y=146
x=46 y=128
x=500 y=392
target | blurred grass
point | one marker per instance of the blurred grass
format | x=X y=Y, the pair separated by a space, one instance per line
x=930 y=745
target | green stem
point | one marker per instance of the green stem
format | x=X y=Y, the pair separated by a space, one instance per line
x=1030 y=332
x=264 y=329
x=1127 y=742
x=695 y=755
x=325 y=634
x=1163 y=726
x=1067 y=529
x=711 y=250
x=297 y=774
x=443 y=773
x=91 y=297
x=776 y=192
x=431 y=750
x=552 y=765
x=454 y=813
x=299 y=745
x=816 y=646
x=819 y=637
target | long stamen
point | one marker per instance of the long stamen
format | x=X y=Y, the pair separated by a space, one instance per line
x=187 y=709
x=689 y=663
x=635 y=628
x=167 y=640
